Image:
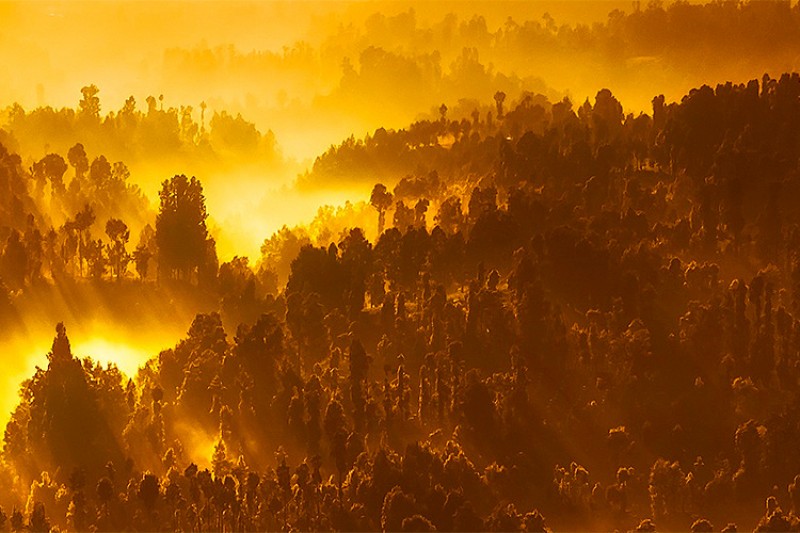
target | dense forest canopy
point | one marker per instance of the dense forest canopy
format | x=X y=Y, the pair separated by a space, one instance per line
x=508 y=292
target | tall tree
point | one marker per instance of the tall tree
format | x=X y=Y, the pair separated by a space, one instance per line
x=381 y=199
x=54 y=168
x=78 y=159
x=83 y=221
x=181 y=232
x=499 y=98
x=119 y=234
x=14 y=261
x=90 y=103
x=145 y=251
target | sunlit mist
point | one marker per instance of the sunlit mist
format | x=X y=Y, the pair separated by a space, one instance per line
x=127 y=357
x=399 y=265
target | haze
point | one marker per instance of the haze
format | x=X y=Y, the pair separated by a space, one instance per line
x=271 y=60
x=315 y=73
x=399 y=266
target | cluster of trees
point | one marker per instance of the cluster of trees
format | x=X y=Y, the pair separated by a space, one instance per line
x=140 y=137
x=424 y=59
x=54 y=230
x=571 y=314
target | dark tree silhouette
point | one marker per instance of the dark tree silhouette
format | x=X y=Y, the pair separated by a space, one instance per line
x=381 y=199
x=181 y=233
x=499 y=99
x=90 y=103
x=119 y=235
x=78 y=159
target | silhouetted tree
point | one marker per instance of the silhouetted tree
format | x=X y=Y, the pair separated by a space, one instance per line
x=381 y=199
x=78 y=159
x=499 y=99
x=119 y=235
x=181 y=232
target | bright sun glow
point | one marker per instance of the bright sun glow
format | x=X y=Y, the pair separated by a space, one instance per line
x=127 y=357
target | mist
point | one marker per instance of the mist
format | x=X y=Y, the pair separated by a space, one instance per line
x=293 y=74
x=399 y=266
x=328 y=70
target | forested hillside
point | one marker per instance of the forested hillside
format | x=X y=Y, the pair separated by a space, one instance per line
x=542 y=315
x=568 y=313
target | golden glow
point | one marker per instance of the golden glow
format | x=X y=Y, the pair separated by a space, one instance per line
x=127 y=357
x=297 y=69
x=108 y=340
x=292 y=79
x=125 y=351
x=288 y=79
x=289 y=113
x=198 y=445
x=240 y=226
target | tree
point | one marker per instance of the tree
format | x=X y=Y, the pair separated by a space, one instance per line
x=499 y=98
x=381 y=199
x=90 y=103
x=55 y=167
x=100 y=173
x=105 y=490
x=607 y=117
x=141 y=258
x=96 y=258
x=335 y=424
x=83 y=221
x=359 y=368
x=51 y=167
x=14 y=261
x=78 y=159
x=357 y=259
x=38 y=521
x=404 y=216
x=420 y=209
x=17 y=521
x=450 y=216
x=397 y=508
x=181 y=232
x=119 y=234
x=317 y=270
x=149 y=490
x=75 y=418
x=145 y=251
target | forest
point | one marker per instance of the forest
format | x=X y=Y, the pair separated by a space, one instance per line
x=531 y=313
